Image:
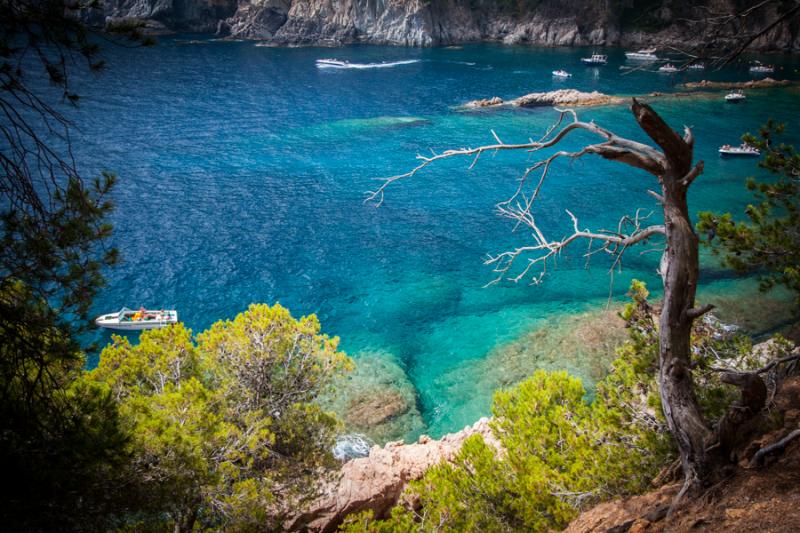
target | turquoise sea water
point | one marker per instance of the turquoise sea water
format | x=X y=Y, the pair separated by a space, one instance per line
x=243 y=171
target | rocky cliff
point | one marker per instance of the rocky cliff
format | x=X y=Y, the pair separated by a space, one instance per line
x=442 y=22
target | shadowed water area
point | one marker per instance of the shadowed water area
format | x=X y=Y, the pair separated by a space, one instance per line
x=242 y=178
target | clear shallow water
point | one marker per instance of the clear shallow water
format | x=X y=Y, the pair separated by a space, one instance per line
x=243 y=171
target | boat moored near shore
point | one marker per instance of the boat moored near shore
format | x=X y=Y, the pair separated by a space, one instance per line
x=595 y=59
x=743 y=150
x=130 y=320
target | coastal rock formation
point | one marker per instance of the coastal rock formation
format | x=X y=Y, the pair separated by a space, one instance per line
x=561 y=97
x=752 y=84
x=376 y=482
x=438 y=22
x=202 y=16
x=566 y=97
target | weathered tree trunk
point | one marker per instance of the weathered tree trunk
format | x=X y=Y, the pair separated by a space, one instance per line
x=675 y=380
x=680 y=273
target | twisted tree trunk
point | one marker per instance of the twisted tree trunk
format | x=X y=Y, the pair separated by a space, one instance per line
x=680 y=270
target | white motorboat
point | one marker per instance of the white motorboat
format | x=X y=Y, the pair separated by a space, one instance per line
x=646 y=54
x=743 y=150
x=130 y=320
x=561 y=74
x=596 y=59
x=735 y=97
x=760 y=68
x=332 y=62
x=669 y=68
x=697 y=66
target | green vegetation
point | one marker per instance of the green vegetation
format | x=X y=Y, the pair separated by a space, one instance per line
x=558 y=451
x=225 y=431
x=768 y=242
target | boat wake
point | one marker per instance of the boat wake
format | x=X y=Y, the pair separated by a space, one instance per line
x=338 y=64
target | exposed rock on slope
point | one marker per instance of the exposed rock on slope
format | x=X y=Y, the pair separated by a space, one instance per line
x=375 y=482
x=752 y=500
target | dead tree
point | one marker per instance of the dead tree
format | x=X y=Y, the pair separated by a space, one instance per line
x=673 y=168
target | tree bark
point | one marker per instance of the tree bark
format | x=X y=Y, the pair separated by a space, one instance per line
x=680 y=274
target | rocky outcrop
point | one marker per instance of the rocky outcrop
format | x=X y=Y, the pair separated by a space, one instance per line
x=566 y=97
x=766 y=83
x=561 y=97
x=439 y=22
x=376 y=482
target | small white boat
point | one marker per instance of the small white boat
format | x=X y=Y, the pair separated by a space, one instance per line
x=760 y=68
x=332 y=62
x=743 y=150
x=130 y=320
x=735 y=97
x=669 y=68
x=646 y=54
x=697 y=66
x=561 y=74
x=596 y=59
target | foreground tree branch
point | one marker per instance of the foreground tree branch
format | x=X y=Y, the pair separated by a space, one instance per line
x=672 y=166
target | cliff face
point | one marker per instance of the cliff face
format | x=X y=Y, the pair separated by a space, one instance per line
x=442 y=22
x=420 y=22
x=201 y=16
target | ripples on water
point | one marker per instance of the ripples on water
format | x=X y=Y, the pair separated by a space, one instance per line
x=242 y=177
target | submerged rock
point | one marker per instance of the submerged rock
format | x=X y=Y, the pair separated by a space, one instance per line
x=376 y=399
x=485 y=102
x=374 y=407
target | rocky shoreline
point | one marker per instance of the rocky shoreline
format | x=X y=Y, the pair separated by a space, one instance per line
x=376 y=482
x=575 y=98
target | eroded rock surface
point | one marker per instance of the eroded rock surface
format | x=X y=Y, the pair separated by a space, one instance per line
x=376 y=482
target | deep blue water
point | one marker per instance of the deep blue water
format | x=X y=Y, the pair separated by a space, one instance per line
x=243 y=171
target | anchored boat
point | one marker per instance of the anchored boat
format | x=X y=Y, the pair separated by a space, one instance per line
x=561 y=74
x=743 y=150
x=646 y=54
x=596 y=59
x=669 y=68
x=130 y=320
x=760 y=68
x=735 y=97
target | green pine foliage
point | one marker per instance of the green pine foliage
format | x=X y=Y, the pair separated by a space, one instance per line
x=767 y=241
x=226 y=431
